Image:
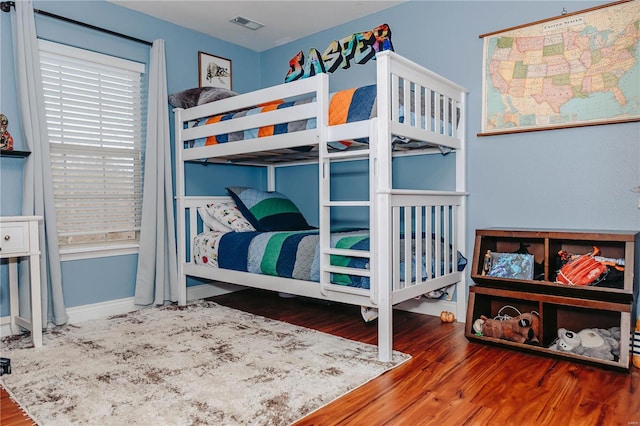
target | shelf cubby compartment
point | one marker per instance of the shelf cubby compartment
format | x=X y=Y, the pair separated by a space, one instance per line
x=613 y=250
x=574 y=314
x=578 y=318
x=544 y=245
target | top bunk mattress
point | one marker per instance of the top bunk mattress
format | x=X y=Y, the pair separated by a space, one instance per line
x=346 y=106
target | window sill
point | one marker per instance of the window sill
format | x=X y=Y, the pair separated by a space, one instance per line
x=94 y=252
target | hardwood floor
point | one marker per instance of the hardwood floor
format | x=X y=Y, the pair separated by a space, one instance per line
x=449 y=380
x=10 y=413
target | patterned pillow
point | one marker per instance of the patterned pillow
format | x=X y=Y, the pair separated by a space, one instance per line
x=268 y=211
x=213 y=223
x=228 y=215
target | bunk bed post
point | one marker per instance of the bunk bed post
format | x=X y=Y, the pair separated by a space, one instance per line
x=461 y=187
x=181 y=235
x=324 y=192
x=380 y=208
x=271 y=177
x=380 y=241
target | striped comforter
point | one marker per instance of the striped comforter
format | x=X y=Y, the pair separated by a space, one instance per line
x=345 y=107
x=290 y=254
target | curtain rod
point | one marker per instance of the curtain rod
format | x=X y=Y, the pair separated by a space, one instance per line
x=5 y=6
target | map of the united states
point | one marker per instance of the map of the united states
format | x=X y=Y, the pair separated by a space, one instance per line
x=574 y=69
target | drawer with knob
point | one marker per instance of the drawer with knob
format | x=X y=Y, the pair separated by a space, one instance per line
x=14 y=238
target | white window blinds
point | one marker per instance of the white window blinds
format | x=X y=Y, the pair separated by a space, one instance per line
x=95 y=123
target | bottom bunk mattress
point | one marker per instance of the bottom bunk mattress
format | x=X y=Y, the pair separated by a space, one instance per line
x=296 y=254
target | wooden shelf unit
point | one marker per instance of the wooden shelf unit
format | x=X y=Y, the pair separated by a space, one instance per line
x=608 y=304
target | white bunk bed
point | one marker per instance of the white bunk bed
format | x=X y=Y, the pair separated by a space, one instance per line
x=432 y=127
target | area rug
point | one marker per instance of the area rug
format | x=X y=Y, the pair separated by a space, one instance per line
x=193 y=365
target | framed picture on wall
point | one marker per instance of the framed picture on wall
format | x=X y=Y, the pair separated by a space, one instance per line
x=575 y=69
x=214 y=71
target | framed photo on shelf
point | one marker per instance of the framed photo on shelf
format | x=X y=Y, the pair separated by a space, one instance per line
x=510 y=265
x=214 y=71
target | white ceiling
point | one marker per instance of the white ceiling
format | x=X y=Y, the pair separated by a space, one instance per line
x=283 y=21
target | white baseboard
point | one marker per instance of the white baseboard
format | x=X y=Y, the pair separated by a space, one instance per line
x=121 y=306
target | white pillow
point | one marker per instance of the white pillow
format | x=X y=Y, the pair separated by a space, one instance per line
x=212 y=222
x=228 y=214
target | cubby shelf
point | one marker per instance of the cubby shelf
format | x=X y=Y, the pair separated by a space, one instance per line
x=604 y=305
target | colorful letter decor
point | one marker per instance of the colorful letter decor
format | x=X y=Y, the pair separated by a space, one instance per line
x=358 y=47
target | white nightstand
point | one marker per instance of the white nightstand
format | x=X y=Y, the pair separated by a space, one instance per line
x=19 y=238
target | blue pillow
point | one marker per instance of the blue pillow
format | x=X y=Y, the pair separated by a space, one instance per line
x=268 y=211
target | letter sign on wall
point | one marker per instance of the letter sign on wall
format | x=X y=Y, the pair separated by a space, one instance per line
x=358 y=47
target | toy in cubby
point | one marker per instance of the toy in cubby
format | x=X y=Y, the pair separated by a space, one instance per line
x=598 y=343
x=521 y=328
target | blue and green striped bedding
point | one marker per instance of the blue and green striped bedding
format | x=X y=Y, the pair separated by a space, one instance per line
x=289 y=254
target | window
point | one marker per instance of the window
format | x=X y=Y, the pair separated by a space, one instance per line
x=95 y=124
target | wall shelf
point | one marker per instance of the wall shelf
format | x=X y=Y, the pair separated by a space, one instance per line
x=19 y=154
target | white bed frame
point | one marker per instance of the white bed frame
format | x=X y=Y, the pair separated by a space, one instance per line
x=444 y=211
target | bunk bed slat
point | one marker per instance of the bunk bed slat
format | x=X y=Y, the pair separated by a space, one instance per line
x=429 y=231
x=408 y=252
x=307 y=87
x=267 y=143
x=417 y=254
x=284 y=115
x=348 y=253
x=348 y=271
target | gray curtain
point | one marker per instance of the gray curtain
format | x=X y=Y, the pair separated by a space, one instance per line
x=37 y=194
x=157 y=276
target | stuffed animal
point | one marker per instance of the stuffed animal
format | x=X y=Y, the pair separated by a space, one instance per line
x=6 y=141
x=524 y=328
x=477 y=326
x=592 y=342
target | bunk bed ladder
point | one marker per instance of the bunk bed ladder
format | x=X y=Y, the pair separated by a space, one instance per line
x=326 y=205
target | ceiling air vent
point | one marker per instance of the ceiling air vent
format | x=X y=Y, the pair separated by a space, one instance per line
x=247 y=23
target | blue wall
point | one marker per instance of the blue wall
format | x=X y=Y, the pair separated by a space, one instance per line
x=103 y=279
x=569 y=178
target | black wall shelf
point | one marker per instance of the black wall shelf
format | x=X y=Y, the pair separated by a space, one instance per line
x=19 y=154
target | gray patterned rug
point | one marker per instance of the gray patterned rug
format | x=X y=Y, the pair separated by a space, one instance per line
x=196 y=365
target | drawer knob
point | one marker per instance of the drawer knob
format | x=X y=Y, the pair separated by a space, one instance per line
x=7 y=237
